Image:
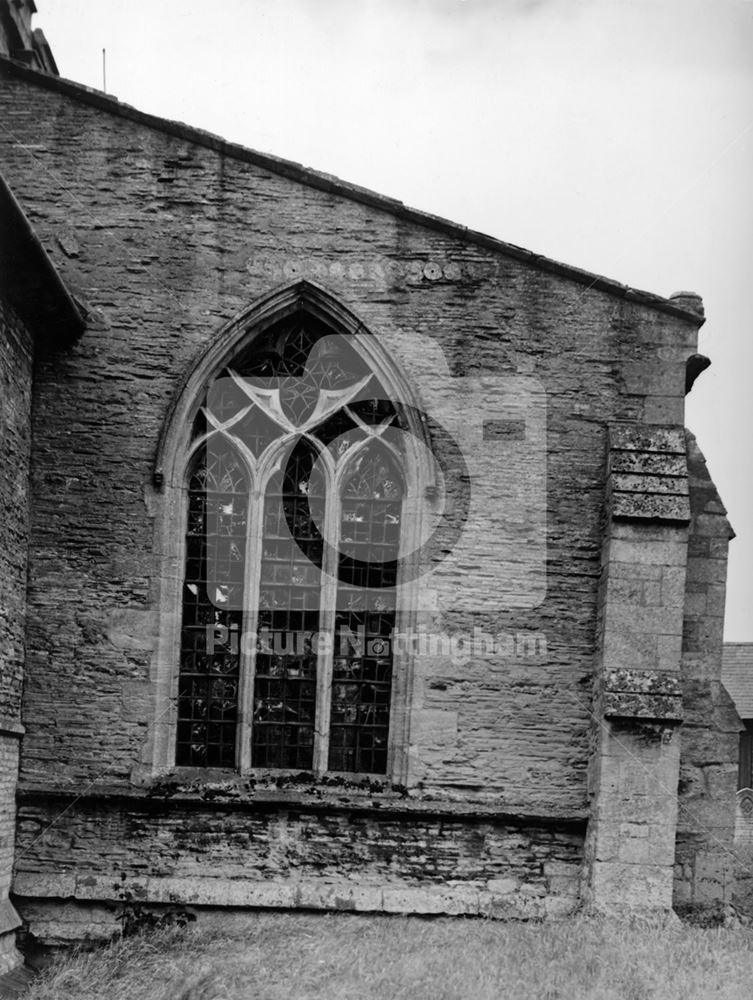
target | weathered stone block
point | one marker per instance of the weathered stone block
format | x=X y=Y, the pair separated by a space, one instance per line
x=622 y=887
x=651 y=439
x=642 y=694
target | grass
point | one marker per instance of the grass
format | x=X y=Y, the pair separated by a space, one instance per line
x=280 y=956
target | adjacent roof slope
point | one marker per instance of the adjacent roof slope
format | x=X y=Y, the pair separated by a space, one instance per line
x=685 y=305
x=29 y=280
x=737 y=675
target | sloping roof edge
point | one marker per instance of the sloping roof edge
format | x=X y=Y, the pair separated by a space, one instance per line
x=30 y=281
x=333 y=185
x=737 y=675
x=702 y=484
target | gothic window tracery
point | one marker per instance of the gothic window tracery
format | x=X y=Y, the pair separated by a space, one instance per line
x=295 y=511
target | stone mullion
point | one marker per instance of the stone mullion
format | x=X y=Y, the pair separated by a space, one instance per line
x=169 y=630
x=406 y=601
x=327 y=612
x=252 y=586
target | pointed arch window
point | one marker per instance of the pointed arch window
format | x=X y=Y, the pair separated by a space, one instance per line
x=295 y=514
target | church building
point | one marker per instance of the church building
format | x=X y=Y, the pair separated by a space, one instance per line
x=349 y=559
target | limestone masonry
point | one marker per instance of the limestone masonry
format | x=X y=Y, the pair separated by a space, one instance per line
x=581 y=752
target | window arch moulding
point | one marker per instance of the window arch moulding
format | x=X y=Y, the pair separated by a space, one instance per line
x=291 y=473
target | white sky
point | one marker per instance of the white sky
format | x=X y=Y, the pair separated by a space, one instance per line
x=615 y=135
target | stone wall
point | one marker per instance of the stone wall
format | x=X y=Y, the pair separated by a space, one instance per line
x=15 y=449
x=743 y=890
x=15 y=444
x=631 y=836
x=166 y=235
x=273 y=851
x=705 y=862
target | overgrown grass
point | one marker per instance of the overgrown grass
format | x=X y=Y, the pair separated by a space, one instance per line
x=344 y=957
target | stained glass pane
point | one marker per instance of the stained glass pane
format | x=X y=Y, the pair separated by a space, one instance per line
x=289 y=602
x=212 y=612
x=300 y=357
x=295 y=369
x=371 y=513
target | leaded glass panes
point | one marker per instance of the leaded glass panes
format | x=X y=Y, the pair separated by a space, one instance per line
x=300 y=357
x=284 y=712
x=295 y=412
x=212 y=616
x=370 y=516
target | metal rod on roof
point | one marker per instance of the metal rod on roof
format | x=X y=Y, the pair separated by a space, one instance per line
x=104 y=71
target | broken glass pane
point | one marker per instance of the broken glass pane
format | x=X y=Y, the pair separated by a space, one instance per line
x=289 y=601
x=212 y=612
x=371 y=510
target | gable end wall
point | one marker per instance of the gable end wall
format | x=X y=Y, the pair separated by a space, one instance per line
x=165 y=242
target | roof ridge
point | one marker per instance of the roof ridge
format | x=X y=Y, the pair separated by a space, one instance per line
x=354 y=192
